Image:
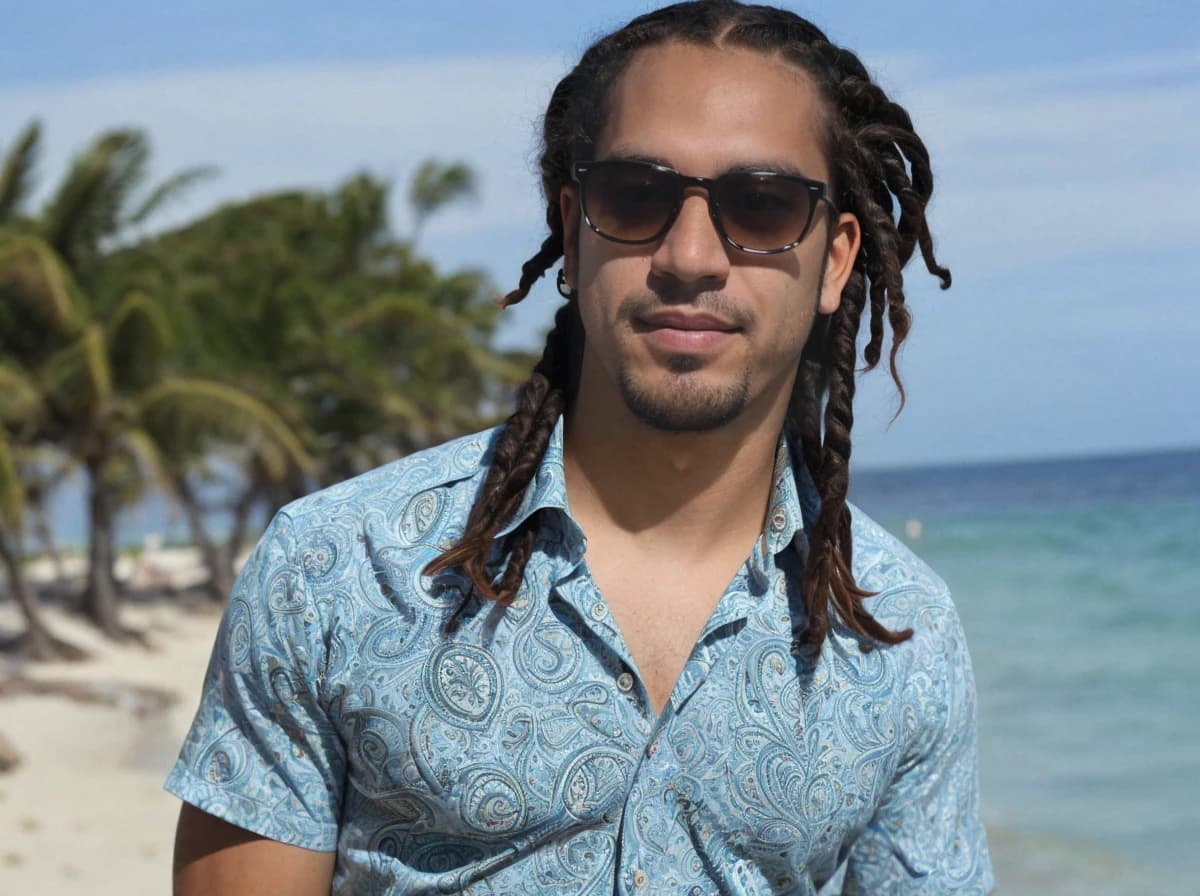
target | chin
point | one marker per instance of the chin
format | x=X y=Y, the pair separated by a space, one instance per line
x=685 y=403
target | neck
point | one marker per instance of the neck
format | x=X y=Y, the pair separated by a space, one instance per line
x=684 y=491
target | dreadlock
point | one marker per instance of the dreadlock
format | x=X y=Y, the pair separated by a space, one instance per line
x=880 y=173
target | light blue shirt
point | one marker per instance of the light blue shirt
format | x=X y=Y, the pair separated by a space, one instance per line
x=515 y=751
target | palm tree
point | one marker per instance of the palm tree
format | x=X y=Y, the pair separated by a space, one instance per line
x=115 y=395
x=19 y=417
x=358 y=343
x=434 y=186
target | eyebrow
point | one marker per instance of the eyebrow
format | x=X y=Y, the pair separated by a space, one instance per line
x=740 y=167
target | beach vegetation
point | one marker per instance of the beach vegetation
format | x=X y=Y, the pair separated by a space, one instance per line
x=259 y=351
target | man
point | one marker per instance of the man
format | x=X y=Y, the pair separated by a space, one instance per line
x=633 y=641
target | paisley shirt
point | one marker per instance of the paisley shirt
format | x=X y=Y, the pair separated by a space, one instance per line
x=349 y=707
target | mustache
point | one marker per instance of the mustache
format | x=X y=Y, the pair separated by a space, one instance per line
x=718 y=304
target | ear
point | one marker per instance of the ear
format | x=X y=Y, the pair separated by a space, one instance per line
x=839 y=263
x=568 y=208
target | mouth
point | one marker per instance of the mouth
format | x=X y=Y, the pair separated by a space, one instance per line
x=684 y=322
x=678 y=331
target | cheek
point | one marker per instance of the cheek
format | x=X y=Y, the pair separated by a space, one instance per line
x=786 y=317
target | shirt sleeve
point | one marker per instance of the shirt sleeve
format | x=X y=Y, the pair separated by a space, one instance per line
x=927 y=836
x=262 y=753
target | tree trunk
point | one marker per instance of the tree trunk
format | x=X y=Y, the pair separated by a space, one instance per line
x=220 y=572
x=237 y=532
x=100 y=593
x=36 y=641
x=45 y=537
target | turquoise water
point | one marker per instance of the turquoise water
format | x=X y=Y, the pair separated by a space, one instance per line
x=1078 y=583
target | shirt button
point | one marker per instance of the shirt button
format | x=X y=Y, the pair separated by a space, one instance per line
x=625 y=682
x=653 y=748
x=639 y=878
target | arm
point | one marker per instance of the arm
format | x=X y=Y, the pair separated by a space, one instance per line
x=262 y=767
x=927 y=836
x=214 y=857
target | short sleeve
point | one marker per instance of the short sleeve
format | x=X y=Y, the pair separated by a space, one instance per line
x=262 y=753
x=927 y=836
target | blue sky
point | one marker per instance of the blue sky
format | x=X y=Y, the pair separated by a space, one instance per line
x=1063 y=135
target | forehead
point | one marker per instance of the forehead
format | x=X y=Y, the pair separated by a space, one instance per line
x=707 y=109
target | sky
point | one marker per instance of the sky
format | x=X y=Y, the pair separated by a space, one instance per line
x=1062 y=136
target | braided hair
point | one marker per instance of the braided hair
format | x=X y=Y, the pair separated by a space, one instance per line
x=880 y=173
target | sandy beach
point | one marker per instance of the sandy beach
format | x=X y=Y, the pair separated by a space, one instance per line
x=84 y=810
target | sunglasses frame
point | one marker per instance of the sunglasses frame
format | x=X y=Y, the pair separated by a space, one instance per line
x=818 y=190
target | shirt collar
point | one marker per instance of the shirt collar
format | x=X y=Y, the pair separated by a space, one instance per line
x=548 y=489
x=792 y=514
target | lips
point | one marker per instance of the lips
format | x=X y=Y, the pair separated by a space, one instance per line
x=680 y=332
x=676 y=320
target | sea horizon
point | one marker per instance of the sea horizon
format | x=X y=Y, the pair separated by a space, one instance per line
x=154 y=514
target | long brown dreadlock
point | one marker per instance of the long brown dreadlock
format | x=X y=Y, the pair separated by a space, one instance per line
x=880 y=173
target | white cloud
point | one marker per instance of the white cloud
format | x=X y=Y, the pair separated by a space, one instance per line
x=282 y=126
x=1042 y=164
x=1031 y=165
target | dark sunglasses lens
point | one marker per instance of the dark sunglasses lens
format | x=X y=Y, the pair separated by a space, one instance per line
x=628 y=201
x=763 y=211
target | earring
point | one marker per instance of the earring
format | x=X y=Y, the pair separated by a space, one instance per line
x=563 y=290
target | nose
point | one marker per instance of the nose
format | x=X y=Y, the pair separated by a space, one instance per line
x=692 y=251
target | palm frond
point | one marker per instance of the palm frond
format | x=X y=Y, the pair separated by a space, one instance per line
x=170 y=189
x=140 y=337
x=144 y=452
x=16 y=177
x=435 y=186
x=79 y=374
x=88 y=206
x=203 y=409
x=19 y=397
x=395 y=308
x=31 y=272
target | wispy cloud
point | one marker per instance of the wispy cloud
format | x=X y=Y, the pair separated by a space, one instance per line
x=1031 y=164
x=284 y=126
x=1037 y=170
x=1050 y=163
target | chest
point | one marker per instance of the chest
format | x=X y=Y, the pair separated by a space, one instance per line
x=660 y=608
x=521 y=736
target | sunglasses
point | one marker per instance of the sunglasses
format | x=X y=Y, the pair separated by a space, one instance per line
x=763 y=212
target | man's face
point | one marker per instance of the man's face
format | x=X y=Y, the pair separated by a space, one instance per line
x=690 y=332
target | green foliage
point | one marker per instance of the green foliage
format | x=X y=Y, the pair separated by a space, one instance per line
x=361 y=345
x=291 y=334
x=435 y=186
x=16 y=174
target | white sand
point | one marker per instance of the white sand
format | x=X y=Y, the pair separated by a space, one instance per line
x=85 y=812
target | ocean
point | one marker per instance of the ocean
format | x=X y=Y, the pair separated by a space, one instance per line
x=1078 y=583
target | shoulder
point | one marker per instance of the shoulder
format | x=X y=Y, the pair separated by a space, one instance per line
x=907 y=592
x=334 y=561
x=341 y=542
x=934 y=663
x=389 y=490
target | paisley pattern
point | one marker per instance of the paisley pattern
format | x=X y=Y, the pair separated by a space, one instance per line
x=514 y=751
